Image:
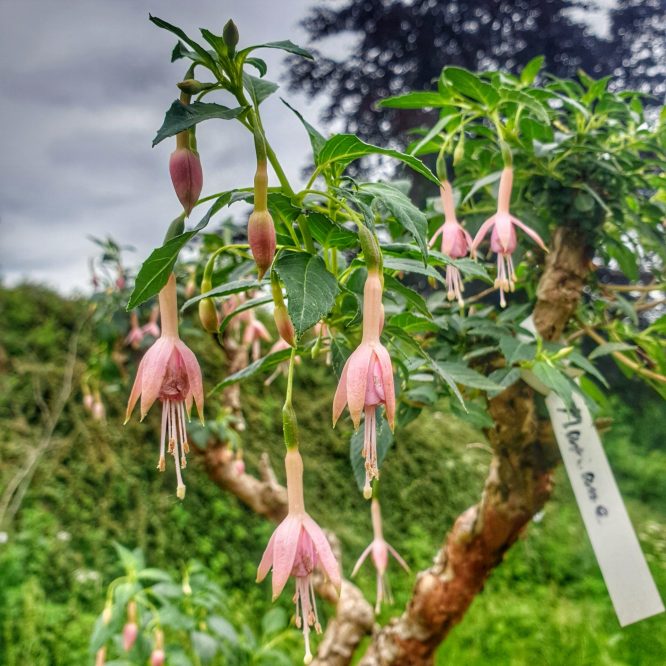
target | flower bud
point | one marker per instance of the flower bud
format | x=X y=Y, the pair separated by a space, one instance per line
x=157 y=657
x=208 y=315
x=261 y=237
x=194 y=87
x=230 y=35
x=284 y=326
x=186 y=176
x=130 y=633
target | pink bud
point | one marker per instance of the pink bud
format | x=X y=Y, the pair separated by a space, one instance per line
x=261 y=237
x=88 y=402
x=284 y=326
x=157 y=657
x=186 y=176
x=130 y=633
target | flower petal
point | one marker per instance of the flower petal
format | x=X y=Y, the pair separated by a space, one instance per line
x=481 y=233
x=437 y=233
x=387 y=380
x=266 y=559
x=360 y=560
x=284 y=551
x=357 y=378
x=193 y=375
x=340 y=397
x=324 y=552
x=398 y=557
x=154 y=368
x=136 y=391
x=530 y=232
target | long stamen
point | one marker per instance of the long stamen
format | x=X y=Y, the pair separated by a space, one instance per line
x=180 y=488
x=161 y=465
x=181 y=416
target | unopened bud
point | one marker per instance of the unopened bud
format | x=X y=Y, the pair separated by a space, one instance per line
x=157 y=657
x=261 y=237
x=284 y=326
x=186 y=176
x=100 y=656
x=194 y=87
x=230 y=35
x=106 y=614
x=459 y=152
x=208 y=315
x=130 y=633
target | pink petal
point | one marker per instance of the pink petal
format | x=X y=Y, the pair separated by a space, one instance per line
x=136 y=391
x=468 y=237
x=530 y=232
x=324 y=552
x=505 y=232
x=481 y=233
x=154 y=368
x=284 y=551
x=437 y=233
x=340 y=397
x=357 y=377
x=266 y=560
x=193 y=375
x=387 y=380
x=398 y=557
x=380 y=555
x=360 y=560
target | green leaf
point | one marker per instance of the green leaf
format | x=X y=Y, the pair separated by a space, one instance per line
x=223 y=628
x=153 y=574
x=412 y=323
x=578 y=359
x=258 y=64
x=403 y=210
x=515 y=351
x=412 y=298
x=274 y=621
x=531 y=70
x=609 y=348
x=342 y=149
x=411 y=266
x=285 y=45
x=464 y=375
x=181 y=51
x=518 y=97
x=471 y=86
x=384 y=441
x=259 y=89
x=554 y=380
x=181 y=116
x=317 y=140
x=206 y=58
x=482 y=182
x=448 y=379
x=415 y=100
x=155 y=270
x=311 y=289
x=329 y=233
x=223 y=290
x=205 y=646
x=264 y=363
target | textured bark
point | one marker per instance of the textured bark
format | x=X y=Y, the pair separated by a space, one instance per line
x=517 y=486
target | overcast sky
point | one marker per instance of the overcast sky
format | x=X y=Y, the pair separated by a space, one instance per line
x=85 y=84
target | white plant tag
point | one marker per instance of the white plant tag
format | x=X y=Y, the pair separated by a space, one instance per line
x=630 y=584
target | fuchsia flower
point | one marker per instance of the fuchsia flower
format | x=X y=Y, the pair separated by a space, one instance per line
x=169 y=371
x=131 y=629
x=186 y=173
x=254 y=332
x=135 y=334
x=456 y=242
x=503 y=237
x=379 y=549
x=152 y=328
x=296 y=547
x=367 y=379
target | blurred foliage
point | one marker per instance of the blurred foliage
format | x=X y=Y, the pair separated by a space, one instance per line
x=97 y=485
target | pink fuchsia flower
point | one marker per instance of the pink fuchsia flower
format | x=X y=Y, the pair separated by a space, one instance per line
x=136 y=333
x=379 y=549
x=503 y=236
x=186 y=172
x=169 y=371
x=254 y=332
x=152 y=328
x=367 y=379
x=131 y=629
x=456 y=242
x=157 y=656
x=296 y=547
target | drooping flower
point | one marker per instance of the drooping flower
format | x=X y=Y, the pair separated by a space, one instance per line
x=254 y=332
x=503 y=236
x=379 y=549
x=456 y=242
x=296 y=547
x=152 y=328
x=169 y=371
x=136 y=333
x=367 y=379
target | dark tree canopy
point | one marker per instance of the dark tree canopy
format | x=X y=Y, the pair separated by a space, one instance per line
x=403 y=45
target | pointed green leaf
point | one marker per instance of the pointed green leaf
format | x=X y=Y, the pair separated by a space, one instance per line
x=224 y=290
x=205 y=57
x=471 y=86
x=264 y=363
x=317 y=140
x=415 y=100
x=531 y=70
x=259 y=89
x=285 y=45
